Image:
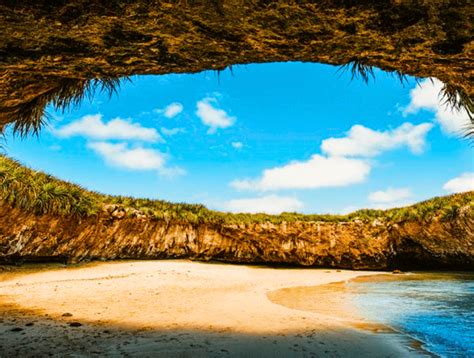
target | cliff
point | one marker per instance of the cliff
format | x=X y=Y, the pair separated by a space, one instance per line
x=435 y=243
x=45 y=219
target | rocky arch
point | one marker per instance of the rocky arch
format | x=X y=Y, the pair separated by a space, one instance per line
x=56 y=51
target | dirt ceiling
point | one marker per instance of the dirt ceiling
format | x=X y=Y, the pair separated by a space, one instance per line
x=50 y=50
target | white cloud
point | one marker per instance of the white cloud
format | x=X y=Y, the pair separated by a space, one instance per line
x=317 y=172
x=390 y=195
x=119 y=155
x=172 y=131
x=92 y=126
x=213 y=117
x=390 y=198
x=365 y=142
x=464 y=182
x=452 y=121
x=383 y=200
x=55 y=147
x=237 y=145
x=270 y=204
x=336 y=168
x=172 y=172
x=426 y=96
x=172 y=110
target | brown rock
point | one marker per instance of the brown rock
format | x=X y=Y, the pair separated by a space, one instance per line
x=119 y=213
x=410 y=244
x=419 y=38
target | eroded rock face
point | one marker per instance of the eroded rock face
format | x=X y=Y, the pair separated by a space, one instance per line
x=44 y=44
x=355 y=245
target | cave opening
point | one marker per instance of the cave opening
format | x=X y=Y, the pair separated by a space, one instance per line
x=273 y=138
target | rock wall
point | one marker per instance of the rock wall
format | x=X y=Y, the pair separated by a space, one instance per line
x=356 y=245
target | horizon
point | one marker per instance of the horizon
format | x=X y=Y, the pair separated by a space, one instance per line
x=261 y=138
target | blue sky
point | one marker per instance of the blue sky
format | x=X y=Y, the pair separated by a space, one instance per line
x=264 y=137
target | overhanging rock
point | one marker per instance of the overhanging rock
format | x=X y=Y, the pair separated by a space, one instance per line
x=49 y=49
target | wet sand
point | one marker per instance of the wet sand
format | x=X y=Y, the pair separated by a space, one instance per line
x=184 y=309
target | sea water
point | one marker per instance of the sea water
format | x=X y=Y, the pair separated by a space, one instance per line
x=436 y=309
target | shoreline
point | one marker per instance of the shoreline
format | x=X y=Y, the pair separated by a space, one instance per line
x=346 y=313
x=177 y=307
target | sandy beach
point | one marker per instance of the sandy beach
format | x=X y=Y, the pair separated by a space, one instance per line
x=184 y=309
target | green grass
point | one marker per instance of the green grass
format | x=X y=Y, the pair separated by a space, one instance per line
x=40 y=193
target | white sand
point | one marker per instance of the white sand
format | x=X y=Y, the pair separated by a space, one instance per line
x=181 y=308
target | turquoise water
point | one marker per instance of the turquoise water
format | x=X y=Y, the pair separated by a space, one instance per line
x=436 y=309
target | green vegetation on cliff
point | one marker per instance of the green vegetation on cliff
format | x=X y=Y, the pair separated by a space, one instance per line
x=40 y=193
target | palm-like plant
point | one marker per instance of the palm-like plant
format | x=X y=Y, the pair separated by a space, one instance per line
x=30 y=117
x=358 y=68
x=458 y=99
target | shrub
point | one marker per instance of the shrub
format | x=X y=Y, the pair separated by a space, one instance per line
x=41 y=193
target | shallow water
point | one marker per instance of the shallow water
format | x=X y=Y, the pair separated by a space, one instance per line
x=434 y=308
